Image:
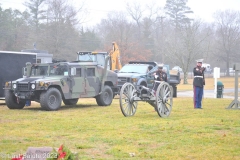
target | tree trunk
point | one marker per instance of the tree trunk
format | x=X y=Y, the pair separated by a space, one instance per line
x=185 y=77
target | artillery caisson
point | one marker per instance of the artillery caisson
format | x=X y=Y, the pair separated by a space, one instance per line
x=160 y=97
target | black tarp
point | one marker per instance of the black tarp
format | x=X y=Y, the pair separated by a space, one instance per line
x=11 y=65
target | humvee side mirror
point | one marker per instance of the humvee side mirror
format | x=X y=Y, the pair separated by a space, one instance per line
x=24 y=71
x=116 y=70
x=73 y=71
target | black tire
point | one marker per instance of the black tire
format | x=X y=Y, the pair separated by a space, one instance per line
x=51 y=99
x=70 y=101
x=174 y=88
x=106 y=97
x=98 y=101
x=11 y=101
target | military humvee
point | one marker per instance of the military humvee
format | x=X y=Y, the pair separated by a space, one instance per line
x=51 y=83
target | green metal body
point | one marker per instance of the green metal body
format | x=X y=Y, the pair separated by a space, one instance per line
x=73 y=80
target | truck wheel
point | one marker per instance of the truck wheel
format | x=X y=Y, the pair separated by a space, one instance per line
x=106 y=97
x=11 y=101
x=51 y=99
x=70 y=101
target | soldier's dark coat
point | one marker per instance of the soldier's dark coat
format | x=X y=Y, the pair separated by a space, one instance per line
x=199 y=79
x=162 y=76
x=198 y=83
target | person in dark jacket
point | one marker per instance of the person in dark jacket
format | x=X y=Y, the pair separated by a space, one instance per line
x=198 y=84
x=160 y=74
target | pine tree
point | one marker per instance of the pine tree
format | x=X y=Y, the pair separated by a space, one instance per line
x=35 y=9
x=177 y=11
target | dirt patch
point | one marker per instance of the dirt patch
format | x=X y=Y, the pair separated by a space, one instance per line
x=98 y=152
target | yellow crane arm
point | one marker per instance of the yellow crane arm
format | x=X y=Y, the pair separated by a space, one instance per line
x=115 y=57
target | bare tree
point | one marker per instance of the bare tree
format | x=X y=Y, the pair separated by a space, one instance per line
x=13 y=29
x=117 y=28
x=147 y=20
x=60 y=35
x=62 y=11
x=135 y=10
x=188 y=46
x=227 y=36
x=160 y=30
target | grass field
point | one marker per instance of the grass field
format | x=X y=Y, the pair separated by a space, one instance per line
x=104 y=133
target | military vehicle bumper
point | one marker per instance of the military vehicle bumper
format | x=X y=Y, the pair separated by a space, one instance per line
x=25 y=90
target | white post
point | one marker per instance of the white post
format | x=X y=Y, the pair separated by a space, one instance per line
x=216 y=75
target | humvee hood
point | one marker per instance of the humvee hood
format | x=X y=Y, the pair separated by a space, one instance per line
x=37 y=79
x=27 y=79
x=128 y=75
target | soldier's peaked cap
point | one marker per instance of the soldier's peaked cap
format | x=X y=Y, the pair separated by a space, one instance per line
x=199 y=60
x=160 y=66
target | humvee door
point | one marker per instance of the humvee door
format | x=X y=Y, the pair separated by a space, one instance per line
x=78 y=83
x=92 y=81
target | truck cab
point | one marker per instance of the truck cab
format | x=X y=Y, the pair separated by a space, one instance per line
x=98 y=57
x=138 y=73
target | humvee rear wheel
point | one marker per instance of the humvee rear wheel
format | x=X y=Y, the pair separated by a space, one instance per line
x=127 y=105
x=106 y=97
x=164 y=99
x=51 y=99
x=11 y=101
x=70 y=101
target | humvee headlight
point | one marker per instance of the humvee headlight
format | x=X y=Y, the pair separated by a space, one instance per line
x=33 y=86
x=134 y=79
x=14 y=86
x=41 y=84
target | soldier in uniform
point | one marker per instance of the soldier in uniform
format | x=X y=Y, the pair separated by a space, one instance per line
x=160 y=75
x=198 y=84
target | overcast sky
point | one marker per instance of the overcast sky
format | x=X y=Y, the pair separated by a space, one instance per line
x=99 y=8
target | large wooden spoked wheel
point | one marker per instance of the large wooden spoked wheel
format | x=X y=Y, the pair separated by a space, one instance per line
x=164 y=99
x=127 y=105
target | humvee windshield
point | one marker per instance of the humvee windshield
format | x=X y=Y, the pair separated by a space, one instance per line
x=39 y=71
x=59 y=70
x=99 y=58
x=54 y=70
x=86 y=57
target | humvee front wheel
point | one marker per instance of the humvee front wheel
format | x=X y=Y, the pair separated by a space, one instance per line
x=51 y=99
x=70 y=101
x=11 y=101
x=106 y=97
